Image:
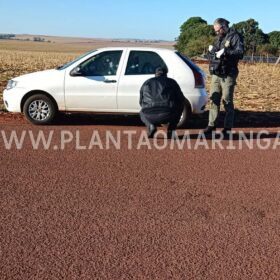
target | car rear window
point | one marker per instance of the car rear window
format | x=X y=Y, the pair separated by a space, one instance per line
x=189 y=62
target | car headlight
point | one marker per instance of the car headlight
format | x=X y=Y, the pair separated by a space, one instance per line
x=11 y=84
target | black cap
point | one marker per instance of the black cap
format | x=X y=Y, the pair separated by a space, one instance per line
x=161 y=71
x=222 y=22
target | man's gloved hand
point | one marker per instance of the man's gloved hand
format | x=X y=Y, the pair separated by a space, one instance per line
x=210 y=48
x=220 y=53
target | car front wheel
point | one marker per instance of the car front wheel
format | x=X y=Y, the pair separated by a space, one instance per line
x=39 y=109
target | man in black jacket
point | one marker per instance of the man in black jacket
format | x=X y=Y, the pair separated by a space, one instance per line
x=225 y=54
x=162 y=102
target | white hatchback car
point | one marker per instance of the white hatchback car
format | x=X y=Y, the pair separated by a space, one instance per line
x=106 y=80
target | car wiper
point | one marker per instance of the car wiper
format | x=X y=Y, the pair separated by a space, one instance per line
x=59 y=67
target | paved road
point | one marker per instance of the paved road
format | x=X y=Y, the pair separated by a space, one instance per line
x=133 y=213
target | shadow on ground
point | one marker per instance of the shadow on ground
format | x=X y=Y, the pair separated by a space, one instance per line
x=235 y=136
x=243 y=119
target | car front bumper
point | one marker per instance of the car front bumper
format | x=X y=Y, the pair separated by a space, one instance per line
x=12 y=99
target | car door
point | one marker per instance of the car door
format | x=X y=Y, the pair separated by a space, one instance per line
x=92 y=85
x=140 y=66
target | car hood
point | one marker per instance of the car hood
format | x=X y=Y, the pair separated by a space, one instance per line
x=37 y=76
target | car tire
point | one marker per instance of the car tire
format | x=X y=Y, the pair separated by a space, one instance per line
x=186 y=115
x=39 y=109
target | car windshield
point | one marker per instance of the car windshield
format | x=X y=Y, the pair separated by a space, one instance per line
x=64 y=66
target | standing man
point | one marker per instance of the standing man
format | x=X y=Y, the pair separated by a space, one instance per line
x=162 y=102
x=225 y=54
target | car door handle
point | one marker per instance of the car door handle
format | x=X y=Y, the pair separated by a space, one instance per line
x=110 y=81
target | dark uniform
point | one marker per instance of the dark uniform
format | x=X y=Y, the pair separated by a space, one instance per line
x=162 y=101
x=224 y=71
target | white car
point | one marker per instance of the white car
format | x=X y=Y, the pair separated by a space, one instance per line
x=106 y=80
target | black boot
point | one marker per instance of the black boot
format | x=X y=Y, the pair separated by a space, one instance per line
x=209 y=129
x=226 y=132
x=151 y=131
x=170 y=134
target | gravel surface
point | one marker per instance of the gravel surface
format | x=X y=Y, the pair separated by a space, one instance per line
x=137 y=213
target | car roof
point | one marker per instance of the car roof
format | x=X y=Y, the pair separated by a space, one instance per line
x=137 y=49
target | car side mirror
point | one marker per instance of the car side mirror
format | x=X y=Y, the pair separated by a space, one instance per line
x=77 y=71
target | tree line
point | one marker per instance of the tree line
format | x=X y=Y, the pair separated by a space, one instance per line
x=196 y=35
x=7 y=36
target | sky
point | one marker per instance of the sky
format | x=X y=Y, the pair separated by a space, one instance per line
x=141 y=19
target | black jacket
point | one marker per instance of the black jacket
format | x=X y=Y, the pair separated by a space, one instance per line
x=234 y=50
x=161 y=94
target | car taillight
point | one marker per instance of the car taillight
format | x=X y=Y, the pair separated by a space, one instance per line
x=198 y=79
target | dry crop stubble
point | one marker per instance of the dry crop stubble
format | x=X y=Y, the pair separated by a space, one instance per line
x=257 y=89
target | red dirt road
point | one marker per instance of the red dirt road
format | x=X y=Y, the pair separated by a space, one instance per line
x=137 y=213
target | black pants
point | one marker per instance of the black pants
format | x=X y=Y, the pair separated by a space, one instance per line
x=158 y=118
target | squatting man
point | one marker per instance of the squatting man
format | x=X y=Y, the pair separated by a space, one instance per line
x=162 y=102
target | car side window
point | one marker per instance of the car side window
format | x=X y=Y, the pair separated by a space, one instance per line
x=143 y=63
x=102 y=64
